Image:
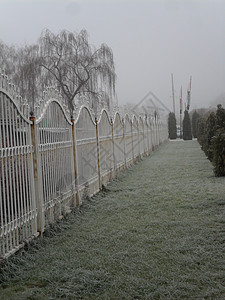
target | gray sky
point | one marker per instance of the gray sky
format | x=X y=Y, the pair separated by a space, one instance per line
x=150 y=40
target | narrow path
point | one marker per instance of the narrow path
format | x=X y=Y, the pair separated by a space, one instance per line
x=158 y=232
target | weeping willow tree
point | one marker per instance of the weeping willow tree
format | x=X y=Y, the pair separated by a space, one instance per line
x=65 y=60
x=22 y=65
x=76 y=66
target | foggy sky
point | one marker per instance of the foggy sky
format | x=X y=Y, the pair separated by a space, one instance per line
x=150 y=40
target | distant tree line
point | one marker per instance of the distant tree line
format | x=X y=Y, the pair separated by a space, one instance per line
x=65 y=60
x=211 y=136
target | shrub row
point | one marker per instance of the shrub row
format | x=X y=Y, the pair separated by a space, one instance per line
x=211 y=137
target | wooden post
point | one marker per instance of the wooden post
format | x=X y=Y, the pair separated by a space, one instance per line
x=98 y=154
x=75 y=164
x=152 y=136
x=132 y=141
x=114 y=158
x=124 y=144
x=157 y=131
x=139 y=146
x=146 y=120
x=144 y=153
x=37 y=183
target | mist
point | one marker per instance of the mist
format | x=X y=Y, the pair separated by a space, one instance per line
x=150 y=39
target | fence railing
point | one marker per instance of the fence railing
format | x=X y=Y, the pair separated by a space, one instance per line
x=49 y=163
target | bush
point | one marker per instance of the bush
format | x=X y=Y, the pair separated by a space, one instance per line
x=218 y=146
x=202 y=133
x=187 y=134
x=195 y=120
x=211 y=137
x=172 y=126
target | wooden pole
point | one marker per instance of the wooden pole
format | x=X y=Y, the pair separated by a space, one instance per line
x=98 y=154
x=114 y=157
x=132 y=141
x=124 y=144
x=37 y=183
x=75 y=163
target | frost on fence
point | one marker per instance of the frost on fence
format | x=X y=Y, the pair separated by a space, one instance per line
x=17 y=203
x=11 y=91
x=118 y=138
x=105 y=145
x=146 y=136
x=48 y=95
x=141 y=136
x=153 y=131
x=135 y=135
x=56 y=161
x=128 y=139
x=86 y=151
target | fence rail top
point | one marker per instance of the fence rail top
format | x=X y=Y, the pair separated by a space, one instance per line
x=89 y=111
x=134 y=119
x=127 y=118
x=3 y=91
x=107 y=115
x=140 y=120
x=47 y=104
x=120 y=118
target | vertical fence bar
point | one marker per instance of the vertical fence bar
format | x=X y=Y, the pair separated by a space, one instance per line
x=38 y=192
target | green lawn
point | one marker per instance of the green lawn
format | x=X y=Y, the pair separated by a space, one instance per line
x=158 y=232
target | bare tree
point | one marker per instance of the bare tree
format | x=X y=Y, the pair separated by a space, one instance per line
x=29 y=76
x=23 y=66
x=8 y=59
x=76 y=66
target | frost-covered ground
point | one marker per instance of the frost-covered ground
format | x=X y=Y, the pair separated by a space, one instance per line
x=158 y=232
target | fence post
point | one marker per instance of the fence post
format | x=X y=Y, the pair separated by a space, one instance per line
x=144 y=152
x=132 y=144
x=37 y=183
x=157 y=132
x=124 y=144
x=153 y=136
x=147 y=137
x=75 y=163
x=139 y=146
x=98 y=154
x=114 y=157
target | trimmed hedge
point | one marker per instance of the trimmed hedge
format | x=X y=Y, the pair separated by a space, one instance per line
x=194 y=124
x=211 y=137
x=172 y=126
x=187 y=133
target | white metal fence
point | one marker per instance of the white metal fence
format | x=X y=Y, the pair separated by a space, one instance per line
x=18 y=212
x=49 y=163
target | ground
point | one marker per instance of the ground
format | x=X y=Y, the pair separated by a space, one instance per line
x=157 y=232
